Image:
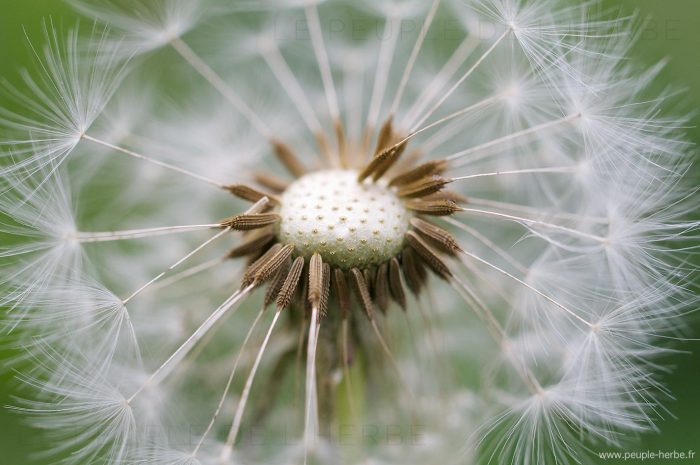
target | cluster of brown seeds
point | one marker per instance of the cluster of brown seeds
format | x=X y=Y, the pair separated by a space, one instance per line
x=311 y=281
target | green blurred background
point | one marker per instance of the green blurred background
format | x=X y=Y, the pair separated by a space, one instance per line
x=672 y=31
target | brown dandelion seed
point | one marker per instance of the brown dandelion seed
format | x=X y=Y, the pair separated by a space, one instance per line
x=247 y=222
x=381 y=287
x=413 y=270
x=444 y=239
x=362 y=292
x=382 y=162
x=290 y=284
x=341 y=289
x=253 y=244
x=414 y=174
x=287 y=157
x=315 y=279
x=395 y=284
x=429 y=256
x=249 y=275
x=424 y=186
x=433 y=207
x=271 y=182
x=276 y=284
x=326 y=289
x=268 y=268
x=385 y=136
x=250 y=194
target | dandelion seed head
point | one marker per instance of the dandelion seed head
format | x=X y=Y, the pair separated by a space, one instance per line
x=473 y=243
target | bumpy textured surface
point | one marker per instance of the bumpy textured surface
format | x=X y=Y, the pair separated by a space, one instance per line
x=350 y=224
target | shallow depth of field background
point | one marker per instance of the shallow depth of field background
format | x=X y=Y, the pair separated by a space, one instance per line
x=673 y=31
